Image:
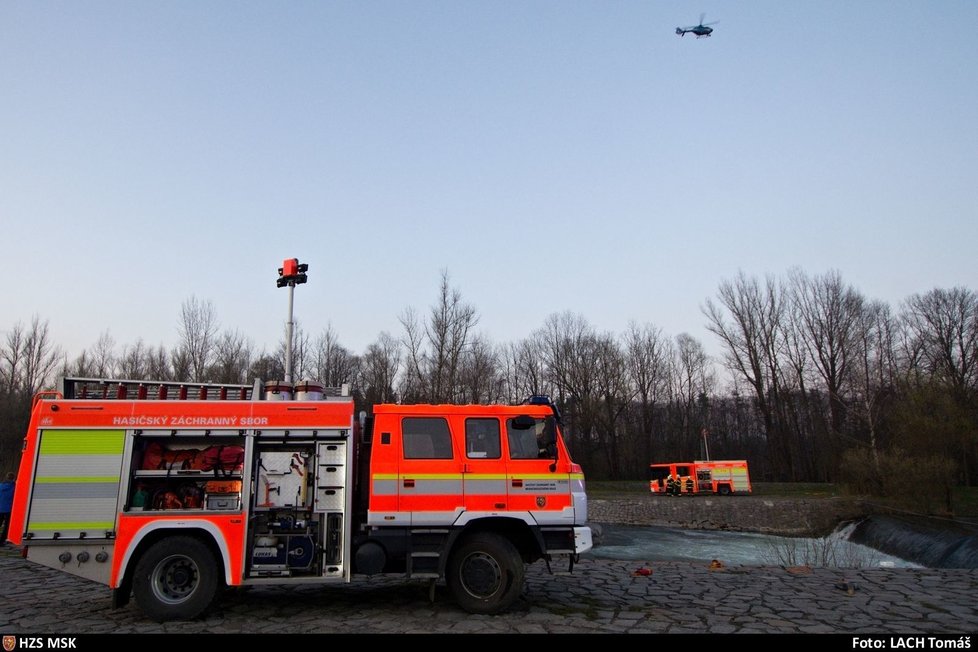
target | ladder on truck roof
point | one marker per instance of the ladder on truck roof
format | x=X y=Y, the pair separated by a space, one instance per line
x=156 y=390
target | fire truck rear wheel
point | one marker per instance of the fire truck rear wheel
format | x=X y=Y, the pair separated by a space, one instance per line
x=485 y=574
x=176 y=579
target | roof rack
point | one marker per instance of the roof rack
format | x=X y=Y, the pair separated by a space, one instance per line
x=156 y=390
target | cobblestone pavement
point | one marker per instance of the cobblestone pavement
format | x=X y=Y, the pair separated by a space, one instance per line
x=601 y=596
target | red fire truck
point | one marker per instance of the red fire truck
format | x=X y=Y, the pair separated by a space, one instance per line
x=722 y=477
x=166 y=491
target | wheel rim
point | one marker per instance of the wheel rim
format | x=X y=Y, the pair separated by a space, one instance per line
x=481 y=575
x=175 y=579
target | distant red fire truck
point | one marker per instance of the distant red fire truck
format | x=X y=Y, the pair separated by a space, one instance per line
x=722 y=477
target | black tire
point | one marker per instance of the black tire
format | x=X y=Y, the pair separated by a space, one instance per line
x=485 y=573
x=723 y=490
x=176 y=579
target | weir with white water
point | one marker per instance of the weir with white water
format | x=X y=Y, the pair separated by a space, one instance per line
x=658 y=543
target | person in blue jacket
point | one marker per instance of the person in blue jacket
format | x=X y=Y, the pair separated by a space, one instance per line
x=6 y=503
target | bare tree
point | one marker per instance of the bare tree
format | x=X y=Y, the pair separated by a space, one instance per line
x=693 y=381
x=103 y=356
x=158 y=364
x=198 y=332
x=333 y=363
x=303 y=355
x=379 y=368
x=943 y=324
x=11 y=357
x=479 y=372
x=435 y=348
x=232 y=357
x=569 y=347
x=266 y=367
x=754 y=338
x=415 y=380
x=181 y=366
x=40 y=356
x=829 y=317
x=28 y=359
x=525 y=370
x=448 y=331
x=647 y=354
x=615 y=395
x=134 y=361
x=942 y=329
x=874 y=375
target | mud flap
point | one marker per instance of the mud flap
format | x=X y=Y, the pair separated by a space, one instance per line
x=121 y=595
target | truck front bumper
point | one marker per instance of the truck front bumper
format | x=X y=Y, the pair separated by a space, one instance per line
x=582 y=539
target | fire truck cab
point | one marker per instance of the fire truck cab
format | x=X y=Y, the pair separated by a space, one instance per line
x=167 y=491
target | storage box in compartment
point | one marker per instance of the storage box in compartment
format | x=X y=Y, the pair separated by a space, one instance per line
x=223 y=487
x=332 y=453
x=222 y=501
x=330 y=499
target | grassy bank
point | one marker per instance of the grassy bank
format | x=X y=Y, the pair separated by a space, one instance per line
x=964 y=499
x=620 y=488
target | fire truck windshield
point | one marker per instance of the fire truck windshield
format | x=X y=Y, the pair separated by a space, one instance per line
x=538 y=442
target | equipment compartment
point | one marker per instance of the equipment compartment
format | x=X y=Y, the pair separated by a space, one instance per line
x=185 y=472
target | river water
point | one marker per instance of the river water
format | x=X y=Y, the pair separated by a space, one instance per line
x=656 y=543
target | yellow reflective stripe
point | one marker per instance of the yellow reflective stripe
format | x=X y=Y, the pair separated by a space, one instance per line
x=68 y=479
x=72 y=525
x=440 y=476
x=418 y=476
x=82 y=442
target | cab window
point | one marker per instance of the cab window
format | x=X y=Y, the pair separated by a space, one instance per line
x=482 y=439
x=426 y=438
x=527 y=444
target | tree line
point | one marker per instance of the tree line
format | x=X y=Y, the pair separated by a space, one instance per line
x=816 y=382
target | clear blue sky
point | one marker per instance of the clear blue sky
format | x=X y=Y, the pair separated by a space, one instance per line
x=552 y=155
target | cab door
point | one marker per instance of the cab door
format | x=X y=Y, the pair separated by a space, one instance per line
x=429 y=473
x=483 y=468
x=538 y=472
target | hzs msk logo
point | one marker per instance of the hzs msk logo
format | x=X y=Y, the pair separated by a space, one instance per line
x=9 y=643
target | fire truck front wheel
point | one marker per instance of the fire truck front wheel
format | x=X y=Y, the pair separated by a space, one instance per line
x=176 y=579
x=485 y=573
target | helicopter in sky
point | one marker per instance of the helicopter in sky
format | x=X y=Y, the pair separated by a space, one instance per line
x=701 y=30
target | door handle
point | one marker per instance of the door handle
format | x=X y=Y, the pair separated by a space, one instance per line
x=517 y=483
x=408 y=483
